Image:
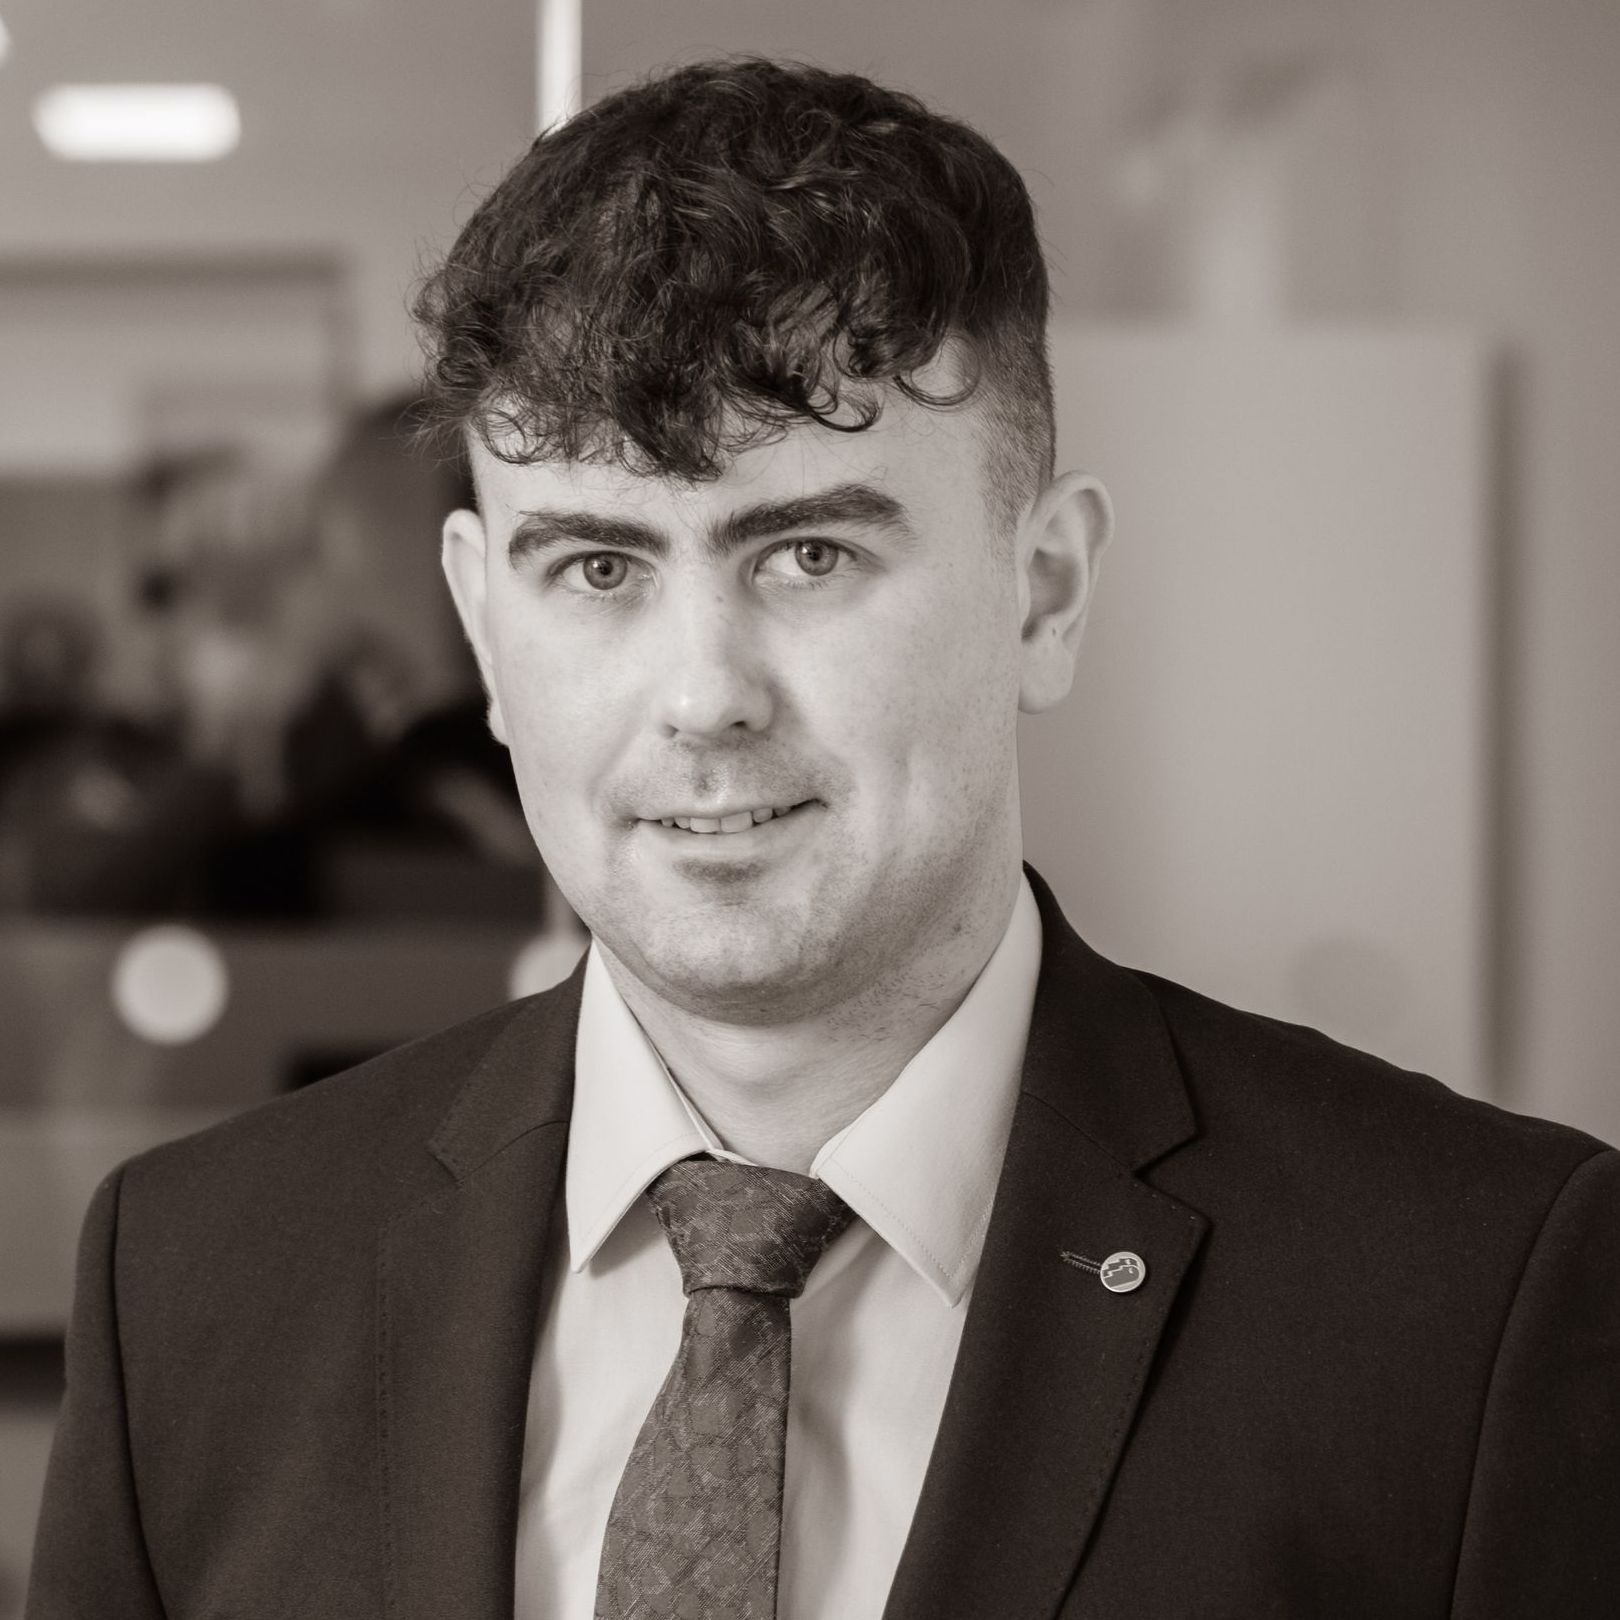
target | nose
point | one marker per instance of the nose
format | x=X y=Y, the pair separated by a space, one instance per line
x=708 y=674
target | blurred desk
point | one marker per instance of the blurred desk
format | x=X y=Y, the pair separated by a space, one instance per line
x=80 y=1092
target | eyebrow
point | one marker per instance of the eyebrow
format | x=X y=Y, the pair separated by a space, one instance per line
x=543 y=528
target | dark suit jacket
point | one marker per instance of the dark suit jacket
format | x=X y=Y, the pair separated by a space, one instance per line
x=1373 y=1371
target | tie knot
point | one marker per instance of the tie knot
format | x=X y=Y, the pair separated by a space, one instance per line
x=746 y=1226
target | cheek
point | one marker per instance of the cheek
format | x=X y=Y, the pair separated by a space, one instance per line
x=555 y=710
x=929 y=700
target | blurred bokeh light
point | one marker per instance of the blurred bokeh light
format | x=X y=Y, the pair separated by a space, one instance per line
x=170 y=984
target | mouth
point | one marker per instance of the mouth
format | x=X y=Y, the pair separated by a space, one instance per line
x=733 y=822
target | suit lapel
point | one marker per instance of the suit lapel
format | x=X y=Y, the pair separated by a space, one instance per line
x=1052 y=1366
x=459 y=1279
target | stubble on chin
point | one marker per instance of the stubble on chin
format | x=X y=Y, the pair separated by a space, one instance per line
x=729 y=963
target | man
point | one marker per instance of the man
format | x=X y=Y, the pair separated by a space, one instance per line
x=1098 y=1298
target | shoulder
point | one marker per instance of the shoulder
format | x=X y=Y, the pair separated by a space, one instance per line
x=341 y=1146
x=1323 y=1117
x=1365 y=1218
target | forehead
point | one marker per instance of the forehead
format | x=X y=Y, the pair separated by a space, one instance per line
x=929 y=461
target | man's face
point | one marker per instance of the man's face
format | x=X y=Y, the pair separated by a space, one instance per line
x=829 y=631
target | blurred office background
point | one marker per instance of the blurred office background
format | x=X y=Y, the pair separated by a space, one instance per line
x=1337 y=321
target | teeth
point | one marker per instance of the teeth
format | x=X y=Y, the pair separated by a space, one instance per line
x=738 y=821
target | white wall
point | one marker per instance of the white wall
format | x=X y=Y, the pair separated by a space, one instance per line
x=1270 y=781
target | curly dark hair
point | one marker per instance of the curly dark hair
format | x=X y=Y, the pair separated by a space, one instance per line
x=696 y=263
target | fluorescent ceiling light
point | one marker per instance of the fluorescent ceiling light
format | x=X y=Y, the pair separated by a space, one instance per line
x=138 y=123
x=5 y=41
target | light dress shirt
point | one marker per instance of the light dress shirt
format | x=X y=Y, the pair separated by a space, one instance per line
x=875 y=1332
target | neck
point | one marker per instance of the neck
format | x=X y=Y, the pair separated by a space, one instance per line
x=775 y=1094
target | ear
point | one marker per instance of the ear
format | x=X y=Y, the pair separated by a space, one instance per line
x=464 y=559
x=1060 y=547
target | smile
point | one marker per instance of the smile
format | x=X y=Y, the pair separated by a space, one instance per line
x=737 y=821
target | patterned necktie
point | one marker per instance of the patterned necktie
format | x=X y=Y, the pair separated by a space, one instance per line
x=696 y=1524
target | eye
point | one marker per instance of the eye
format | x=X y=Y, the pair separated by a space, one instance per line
x=815 y=559
x=602 y=571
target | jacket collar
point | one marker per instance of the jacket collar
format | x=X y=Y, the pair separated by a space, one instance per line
x=523 y=1082
x=1099 y=1053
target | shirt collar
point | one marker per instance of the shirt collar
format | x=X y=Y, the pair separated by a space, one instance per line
x=630 y=1119
x=919 y=1165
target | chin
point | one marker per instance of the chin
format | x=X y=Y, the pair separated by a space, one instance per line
x=739 y=971
x=727 y=979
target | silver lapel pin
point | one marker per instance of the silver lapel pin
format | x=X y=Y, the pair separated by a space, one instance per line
x=1121 y=1273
